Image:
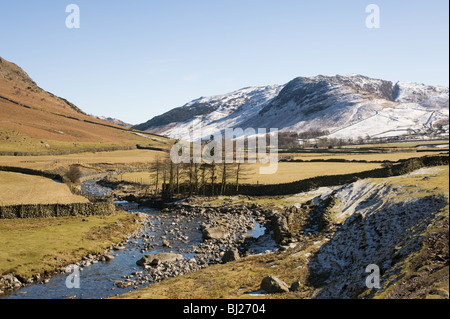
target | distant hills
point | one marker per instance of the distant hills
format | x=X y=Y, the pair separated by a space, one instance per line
x=114 y=121
x=348 y=106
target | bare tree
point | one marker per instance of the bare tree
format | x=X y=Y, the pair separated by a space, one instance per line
x=177 y=176
x=238 y=170
x=203 y=180
x=74 y=174
x=164 y=175
x=191 y=177
x=241 y=172
x=227 y=174
x=171 y=176
x=155 y=169
x=213 y=177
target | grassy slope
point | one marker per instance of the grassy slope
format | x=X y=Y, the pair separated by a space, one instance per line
x=425 y=273
x=34 y=120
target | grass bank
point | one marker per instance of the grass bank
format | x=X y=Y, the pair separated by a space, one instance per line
x=32 y=246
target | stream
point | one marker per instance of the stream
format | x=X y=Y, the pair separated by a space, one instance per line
x=99 y=279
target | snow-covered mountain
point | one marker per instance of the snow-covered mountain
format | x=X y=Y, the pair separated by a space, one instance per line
x=349 y=106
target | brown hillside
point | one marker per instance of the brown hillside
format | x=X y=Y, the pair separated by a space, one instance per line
x=36 y=120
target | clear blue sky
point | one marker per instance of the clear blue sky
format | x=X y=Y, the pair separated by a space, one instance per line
x=137 y=59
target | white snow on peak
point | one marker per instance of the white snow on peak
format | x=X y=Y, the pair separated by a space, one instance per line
x=415 y=92
x=348 y=106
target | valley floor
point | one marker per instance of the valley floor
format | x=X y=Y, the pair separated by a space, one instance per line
x=327 y=236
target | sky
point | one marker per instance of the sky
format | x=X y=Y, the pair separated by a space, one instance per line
x=134 y=60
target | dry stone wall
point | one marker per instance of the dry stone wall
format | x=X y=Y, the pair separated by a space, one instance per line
x=103 y=207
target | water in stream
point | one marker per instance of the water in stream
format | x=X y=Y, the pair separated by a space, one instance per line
x=97 y=280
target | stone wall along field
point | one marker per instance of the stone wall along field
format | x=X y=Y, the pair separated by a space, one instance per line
x=102 y=207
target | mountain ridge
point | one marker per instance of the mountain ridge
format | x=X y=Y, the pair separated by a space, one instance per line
x=325 y=103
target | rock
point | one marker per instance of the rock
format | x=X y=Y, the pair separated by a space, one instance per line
x=166 y=243
x=10 y=282
x=156 y=259
x=272 y=285
x=281 y=229
x=121 y=284
x=295 y=286
x=231 y=255
x=109 y=257
x=214 y=233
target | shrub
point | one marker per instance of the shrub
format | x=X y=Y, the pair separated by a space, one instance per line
x=73 y=174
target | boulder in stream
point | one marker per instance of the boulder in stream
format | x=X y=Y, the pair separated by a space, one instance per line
x=156 y=259
x=214 y=233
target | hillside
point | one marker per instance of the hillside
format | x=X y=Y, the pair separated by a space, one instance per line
x=218 y=112
x=36 y=121
x=345 y=106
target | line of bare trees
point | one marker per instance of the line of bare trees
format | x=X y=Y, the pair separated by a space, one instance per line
x=195 y=178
